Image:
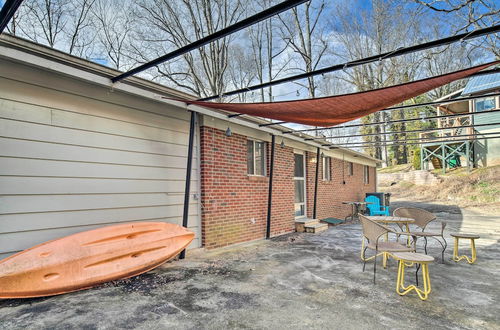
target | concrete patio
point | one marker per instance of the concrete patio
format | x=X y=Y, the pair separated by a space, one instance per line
x=295 y=281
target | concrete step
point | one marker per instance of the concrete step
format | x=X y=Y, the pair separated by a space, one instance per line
x=316 y=228
x=300 y=224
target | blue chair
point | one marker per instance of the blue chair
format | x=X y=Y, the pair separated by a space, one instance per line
x=374 y=207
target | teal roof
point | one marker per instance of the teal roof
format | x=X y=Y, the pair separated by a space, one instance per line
x=482 y=83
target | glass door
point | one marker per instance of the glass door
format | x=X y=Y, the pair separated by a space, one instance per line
x=300 y=185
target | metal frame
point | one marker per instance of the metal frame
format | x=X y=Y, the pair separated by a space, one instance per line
x=408 y=106
x=8 y=10
x=366 y=60
x=398 y=120
x=400 y=132
x=473 y=257
x=430 y=139
x=277 y=9
x=410 y=143
x=189 y=166
x=270 y=194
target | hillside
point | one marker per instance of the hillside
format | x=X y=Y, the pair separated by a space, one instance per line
x=480 y=188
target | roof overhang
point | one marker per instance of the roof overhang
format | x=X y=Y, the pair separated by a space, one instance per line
x=28 y=53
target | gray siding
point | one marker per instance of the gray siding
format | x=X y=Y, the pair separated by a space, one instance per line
x=485 y=119
x=75 y=156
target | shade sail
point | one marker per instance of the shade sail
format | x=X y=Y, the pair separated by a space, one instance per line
x=338 y=109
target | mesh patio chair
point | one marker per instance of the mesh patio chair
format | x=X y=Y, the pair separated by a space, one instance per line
x=422 y=219
x=372 y=233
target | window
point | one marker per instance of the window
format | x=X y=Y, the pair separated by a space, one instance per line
x=256 y=158
x=350 y=169
x=366 y=176
x=300 y=185
x=487 y=103
x=327 y=168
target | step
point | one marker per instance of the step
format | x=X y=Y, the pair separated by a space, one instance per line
x=301 y=223
x=316 y=228
x=332 y=221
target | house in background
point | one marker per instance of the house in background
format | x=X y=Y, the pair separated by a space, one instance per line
x=459 y=145
x=77 y=153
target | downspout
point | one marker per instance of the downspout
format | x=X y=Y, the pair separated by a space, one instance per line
x=189 y=166
x=316 y=183
x=270 y=196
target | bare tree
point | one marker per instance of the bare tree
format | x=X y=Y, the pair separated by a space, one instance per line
x=62 y=24
x=17 y=19
x=241 y=72
x=304 y=33
x=202 y=71
x=266 y=50
x=45 y=20
x=114 y=24
x=463 y=15
x=80 y=30
x=363 y=33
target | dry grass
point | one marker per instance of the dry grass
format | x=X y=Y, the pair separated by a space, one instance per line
x=395 y=168
x=481 y=187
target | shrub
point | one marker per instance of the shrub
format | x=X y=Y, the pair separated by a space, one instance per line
x=416 y=159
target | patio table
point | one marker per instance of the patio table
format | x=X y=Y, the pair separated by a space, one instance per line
x=355 y=208
x=400 y=221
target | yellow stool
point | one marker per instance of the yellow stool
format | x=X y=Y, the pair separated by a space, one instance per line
x=471 y=237
x=409 y=259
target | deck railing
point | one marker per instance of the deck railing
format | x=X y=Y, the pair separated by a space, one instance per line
x=453 y=129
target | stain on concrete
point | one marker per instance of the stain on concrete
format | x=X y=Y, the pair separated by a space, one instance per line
x=297 y=280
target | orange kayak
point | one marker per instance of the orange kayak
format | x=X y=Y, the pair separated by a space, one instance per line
x=89 y=258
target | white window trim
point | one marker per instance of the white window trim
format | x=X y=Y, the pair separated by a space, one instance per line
x=305 y=183
x=264 y=155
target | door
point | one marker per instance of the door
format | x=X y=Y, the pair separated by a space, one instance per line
x=300 y=185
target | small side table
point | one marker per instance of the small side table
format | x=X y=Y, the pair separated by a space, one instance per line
x=471 y=237
x=408 y=259
x=356 y=208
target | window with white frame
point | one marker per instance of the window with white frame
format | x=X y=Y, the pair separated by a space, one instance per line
x=350 y=169
x=327 y=168
x=366 y=176
x=256 y=157
x=485 y=104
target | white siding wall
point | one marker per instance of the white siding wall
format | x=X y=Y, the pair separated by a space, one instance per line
x=75 y=156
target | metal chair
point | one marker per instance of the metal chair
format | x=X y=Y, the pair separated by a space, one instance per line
x=422 y=219
x=372 y=232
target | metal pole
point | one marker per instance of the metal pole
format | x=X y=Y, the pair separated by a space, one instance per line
x=265 y=14
x=8 y=10
x=400 y=132
x=431 y=139
x=343 y=126
x=270 y=195
x=366 y=60
x=185 y=214
x=422 y=157
x=443 y=156
x=316 y=183
x=333 y=146
x=467 y=152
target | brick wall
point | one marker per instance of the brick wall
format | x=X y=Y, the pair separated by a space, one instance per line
x=234 y=204
x=332 y=193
